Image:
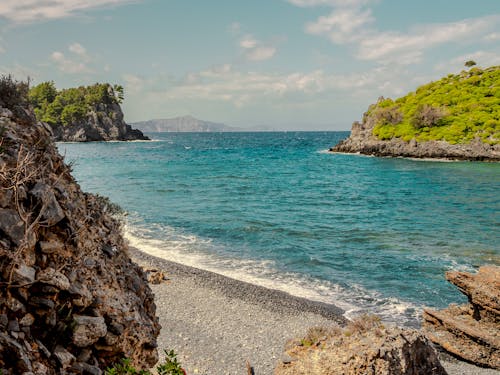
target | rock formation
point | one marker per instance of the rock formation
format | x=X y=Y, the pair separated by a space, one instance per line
x=362 y=141
x=472 y=331
x=71 y=300
x=103 y=123
x=364 y=347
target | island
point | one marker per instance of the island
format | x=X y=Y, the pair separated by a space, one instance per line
x=456 y=117
x=182 y=124
x=83 y=114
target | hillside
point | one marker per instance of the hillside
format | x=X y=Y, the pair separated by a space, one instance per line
x=83 y=114
x=456 y=117
x=182 y=124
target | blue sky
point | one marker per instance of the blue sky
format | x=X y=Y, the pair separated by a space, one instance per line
x=287 y=64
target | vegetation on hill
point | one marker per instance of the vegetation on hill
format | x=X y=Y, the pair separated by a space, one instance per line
x=456 y=109
x=71 y=105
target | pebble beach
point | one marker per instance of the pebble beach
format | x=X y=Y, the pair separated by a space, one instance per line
x=217 y=325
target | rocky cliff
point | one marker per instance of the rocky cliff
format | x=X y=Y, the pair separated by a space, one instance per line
x=456 y=117
x=103 y=122
x=362 y=141
x=472 y=331
x=71 y=300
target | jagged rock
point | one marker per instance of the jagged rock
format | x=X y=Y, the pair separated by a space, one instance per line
x=52 y=212
x=88 y=330
x=64 y=357
x=471 y=332
x=156 y=276
x=12 y=225
x=58 y=270
x=364 y=347
x=24 y=274
x=52 y=277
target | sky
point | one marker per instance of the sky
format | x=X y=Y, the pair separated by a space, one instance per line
x=284 y=64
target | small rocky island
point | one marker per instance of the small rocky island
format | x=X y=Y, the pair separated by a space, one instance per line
x=83 y=114
x=457 y=117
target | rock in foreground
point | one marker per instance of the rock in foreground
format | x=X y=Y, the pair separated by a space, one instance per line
x=364 y=347
x=472 y=331
x=71 y=300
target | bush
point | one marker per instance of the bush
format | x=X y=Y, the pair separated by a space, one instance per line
x=427 y=116
x=13 y=93
x=170 y=367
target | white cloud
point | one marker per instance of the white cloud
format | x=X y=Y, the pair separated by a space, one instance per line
x=75 y=64
x=248 y=42
x=261 y=53
x=37 y=10
x=392 y=46
x=352 y=23
x=255 y=50
x=342 y=25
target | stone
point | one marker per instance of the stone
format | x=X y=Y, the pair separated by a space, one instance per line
x=51 y=247
x=156 y=276
x=15 y=305
x=24 y=274
x=85 y=368
x=88 y=330
x=52 y=211
x=52 y=277
x=12 y=225
x=27 y=320
x=4 y=320
x=41 y=302
x=364 y=347
x=64 y=357
x=83 y=297
x=472 y=331
x=13 y=326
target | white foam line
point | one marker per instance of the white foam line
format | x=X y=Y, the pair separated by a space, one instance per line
x=185 y=249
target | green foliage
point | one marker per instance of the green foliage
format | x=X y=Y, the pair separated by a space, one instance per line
x=456 y=109
x=470 y=63
x=72 y=105
x=12 y=92
x=170 y=367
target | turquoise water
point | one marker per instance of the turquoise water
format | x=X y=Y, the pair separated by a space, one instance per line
x=275 y=209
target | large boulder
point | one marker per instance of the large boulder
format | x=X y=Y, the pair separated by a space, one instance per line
x=366 y=347
x=71 y=299
x=471 y=331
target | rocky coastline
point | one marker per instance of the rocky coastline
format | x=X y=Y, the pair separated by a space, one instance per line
x=102 y=123
x=71 y=299
x=362 y=141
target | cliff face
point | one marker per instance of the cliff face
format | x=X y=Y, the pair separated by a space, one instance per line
x=362 y=141
x=71 y=300
x=104 y=122
x=456 y=117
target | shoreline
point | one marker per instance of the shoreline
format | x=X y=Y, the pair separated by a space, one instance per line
x=215 y=324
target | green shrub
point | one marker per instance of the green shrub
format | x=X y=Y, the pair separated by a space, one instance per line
x=170 y=367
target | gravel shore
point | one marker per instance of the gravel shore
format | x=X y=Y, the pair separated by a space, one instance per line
x=216 y=324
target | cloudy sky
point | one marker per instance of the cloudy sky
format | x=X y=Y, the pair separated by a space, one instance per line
x=288 y=64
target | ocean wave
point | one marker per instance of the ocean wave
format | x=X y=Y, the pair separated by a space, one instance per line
x=174 y=245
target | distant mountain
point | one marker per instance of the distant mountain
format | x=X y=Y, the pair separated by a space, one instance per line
x=182 y=124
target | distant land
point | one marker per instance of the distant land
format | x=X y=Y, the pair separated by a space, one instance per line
x=189 y=124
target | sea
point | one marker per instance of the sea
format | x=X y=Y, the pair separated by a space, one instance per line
x=278 y=210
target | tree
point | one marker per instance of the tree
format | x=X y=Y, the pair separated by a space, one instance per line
x=470 y=63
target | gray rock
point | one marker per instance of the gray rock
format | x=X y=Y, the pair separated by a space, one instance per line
x=6 y=198
x=15 y=305
x=13 y=326
x=85 y=368
x=41 y=302
x=64 y=357
x=88 y=330
x=12 y=225
x=52 y=277
x=24 y=274
x=4 y=320
x=52 y=211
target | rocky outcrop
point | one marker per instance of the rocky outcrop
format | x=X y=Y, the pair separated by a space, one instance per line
x=362 y=141
x=103 y=123
x=472 y=331
x=364 y=347
x=71 y=300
